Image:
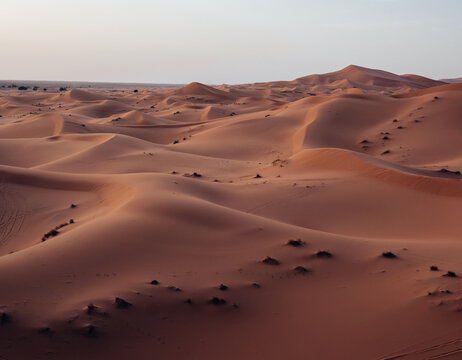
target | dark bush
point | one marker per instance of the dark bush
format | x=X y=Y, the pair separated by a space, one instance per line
x=61 y=226
x=388 y=255
x=217 y=301
x=296 y=243
x=51 y=233
x=301 y=270
x=270 y=261
x=323 y=254
x=45 y=330
x=121 y=303
x=91 y=309
x=450 y=274
x=449 y=171
x=174 y=288
x=4 y=318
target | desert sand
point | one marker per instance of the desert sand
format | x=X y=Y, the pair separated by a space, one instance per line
x=282 y=220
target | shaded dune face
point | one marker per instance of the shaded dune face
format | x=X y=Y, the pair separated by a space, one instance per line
x=317 y=218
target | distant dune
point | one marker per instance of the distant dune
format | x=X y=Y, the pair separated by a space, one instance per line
x=456 y=80
x=360 y=76
x=316 y=218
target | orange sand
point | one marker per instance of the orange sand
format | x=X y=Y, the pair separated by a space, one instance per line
x=319 y=146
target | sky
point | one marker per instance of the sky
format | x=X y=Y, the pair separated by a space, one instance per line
x=225 y=41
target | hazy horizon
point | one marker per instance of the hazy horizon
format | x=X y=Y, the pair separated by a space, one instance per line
x=226 y=42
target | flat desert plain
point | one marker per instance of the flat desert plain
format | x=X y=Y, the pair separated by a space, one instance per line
x=318 y=218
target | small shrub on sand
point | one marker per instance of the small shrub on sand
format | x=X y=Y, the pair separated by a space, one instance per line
x=217 y=301
x=388 y=255
x=450 y=274
x=301 y=270
x=295 y=243
x=121 y=303
x=223 y=287
x=270 y=261
x=323 y=254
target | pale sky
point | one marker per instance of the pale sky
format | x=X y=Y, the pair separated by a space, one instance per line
x=225 y=41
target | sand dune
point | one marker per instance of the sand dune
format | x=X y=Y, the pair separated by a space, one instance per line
x=283 y=220
x=451 y=81
x=33 y=127
x=196 y=88
x=103 y=109
x=360 y=76
x=82 y=95
x=352 y=79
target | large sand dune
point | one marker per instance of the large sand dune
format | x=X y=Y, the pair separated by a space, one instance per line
x=156 y=224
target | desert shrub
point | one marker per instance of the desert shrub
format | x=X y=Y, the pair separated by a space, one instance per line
x=121 y=303
x=295 y=243
x=270 y=261
x=323 y=254
x=388 y=255
x=217 y=301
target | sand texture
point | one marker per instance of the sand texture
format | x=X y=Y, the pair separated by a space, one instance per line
x=281 y=220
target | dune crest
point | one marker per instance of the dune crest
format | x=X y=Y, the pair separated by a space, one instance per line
x=196 y=88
